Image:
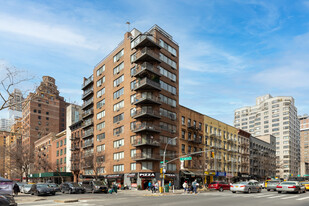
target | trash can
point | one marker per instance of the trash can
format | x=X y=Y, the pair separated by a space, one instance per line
x=167 y=189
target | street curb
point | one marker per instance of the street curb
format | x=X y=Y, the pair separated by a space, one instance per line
x=40 y=199
x=65 y=201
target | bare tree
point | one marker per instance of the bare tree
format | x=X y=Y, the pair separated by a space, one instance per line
x=10 y=79
x=95 y=162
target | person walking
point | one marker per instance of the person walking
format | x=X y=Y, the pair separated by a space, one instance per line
x=185 y=186
x=156 y=187
x=194 y=185
x=115 y=187
x=16 y=189
x=170 y=185
x=149 y=185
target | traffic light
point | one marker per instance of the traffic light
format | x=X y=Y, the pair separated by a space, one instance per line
x=161 y=170
x=212 y=154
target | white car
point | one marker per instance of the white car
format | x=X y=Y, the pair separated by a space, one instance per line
x=246 y=187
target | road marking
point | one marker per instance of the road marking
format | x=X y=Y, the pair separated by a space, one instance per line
x=303 y=198
x=289 y=197
x=277 y=196
x=263 y=196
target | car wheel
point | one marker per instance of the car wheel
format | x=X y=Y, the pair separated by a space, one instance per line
x=279 y=192
x=233 y=191
x=304 y=191
x=268 y=190
x=221 y=189
x=249 y=191
x=62 y=191
x=299 y=191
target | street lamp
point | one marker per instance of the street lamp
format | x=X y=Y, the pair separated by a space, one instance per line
x=165 y=165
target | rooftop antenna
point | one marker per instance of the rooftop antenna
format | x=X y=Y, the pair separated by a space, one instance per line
x=128 y=25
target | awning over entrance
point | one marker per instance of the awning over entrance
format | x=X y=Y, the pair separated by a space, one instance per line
x=51 y=174
x=192 y=173
x=115 y=176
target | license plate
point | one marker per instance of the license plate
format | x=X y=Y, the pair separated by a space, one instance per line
x=103 y=190
x=285 y=187
x=236 y=186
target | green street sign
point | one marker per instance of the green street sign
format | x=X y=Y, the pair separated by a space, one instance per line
x=162 y=162
x=185 y=158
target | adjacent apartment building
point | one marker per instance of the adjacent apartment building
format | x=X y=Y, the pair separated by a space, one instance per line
x=276 y=116
x=304 y=144
x=130 y=107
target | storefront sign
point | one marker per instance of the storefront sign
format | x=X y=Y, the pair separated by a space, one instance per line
x=210 y=173
x=247 y=176
x=221 y=174
x=170 y=175
x=132 y=175
x=114 y=176
x=134 y=185
x=147 y=174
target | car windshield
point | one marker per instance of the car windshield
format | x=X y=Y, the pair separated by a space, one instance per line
x=52 y=185
x=27 y=186
x=41 y=186
x=305 y=183
x=214 y=183
x=74 y=184
x=241 y=183
x=288 y=183
x=98 y=183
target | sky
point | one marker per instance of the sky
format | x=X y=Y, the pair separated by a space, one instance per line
x=231 y=51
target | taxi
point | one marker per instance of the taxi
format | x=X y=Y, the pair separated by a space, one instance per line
x=306 y=184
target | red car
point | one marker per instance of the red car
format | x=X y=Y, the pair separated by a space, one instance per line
x=221 y=186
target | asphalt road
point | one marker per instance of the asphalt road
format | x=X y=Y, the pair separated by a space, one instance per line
x=211 y=198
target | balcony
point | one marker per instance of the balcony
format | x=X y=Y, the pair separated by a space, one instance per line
x=87 y=103
x=148 y=84
x=144 y=69
x=75 y=148
x=87 y=123
x=87 y=82
x=87 y=113
x=195 y=140
x=146 y=142
x=142 y=157
x=88 y=133
x=193 y=127
x=146 y=113
x=75 y=159
x=146 y=99
x=146 y=55
x=87 y=93
x=144 y=40
x=88 y=144
x=146 y=127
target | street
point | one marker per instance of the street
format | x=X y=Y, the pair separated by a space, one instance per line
x=142 y=197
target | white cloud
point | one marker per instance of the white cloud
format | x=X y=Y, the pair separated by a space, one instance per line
x=44 y=31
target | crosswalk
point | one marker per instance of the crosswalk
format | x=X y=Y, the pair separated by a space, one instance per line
x=275 y=196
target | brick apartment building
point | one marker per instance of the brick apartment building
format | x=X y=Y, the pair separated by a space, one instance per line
x=76 y=143
x=131 y=103
x=304 y=144
x=3 y=136
x=43 y=112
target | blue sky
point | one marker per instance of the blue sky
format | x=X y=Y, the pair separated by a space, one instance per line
x=231 y=51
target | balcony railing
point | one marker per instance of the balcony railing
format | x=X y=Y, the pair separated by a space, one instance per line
x=87 y=82
x=143 y=156
x=88 y=144
x=146 y=83
x=148 y=127
x=144 y=68
x=145 y=142
x=146 y=99
x=146 y=55
x=87 y=93
x=88 y=133
x=146 y=113
x=87 y=103
x=75 y=148
x=87 y=123
x=87 y=113
x=144 y=40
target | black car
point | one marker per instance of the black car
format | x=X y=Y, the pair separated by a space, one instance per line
x=71 y=187
x=7 y=200
x=54 y=186
x=41 y=189
x=95 y=186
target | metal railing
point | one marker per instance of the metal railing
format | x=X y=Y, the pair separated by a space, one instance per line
x=146 y=66
x=145 y=81
x=145 y=141
x=141 y=112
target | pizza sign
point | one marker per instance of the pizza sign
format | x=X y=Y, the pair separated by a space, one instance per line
x=147 y=174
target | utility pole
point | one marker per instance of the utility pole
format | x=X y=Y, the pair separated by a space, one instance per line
x=164 y=165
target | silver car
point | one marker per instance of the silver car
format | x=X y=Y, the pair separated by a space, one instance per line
x=291 y=186
x=26 y=189
x=272 y=185
x=247 y=187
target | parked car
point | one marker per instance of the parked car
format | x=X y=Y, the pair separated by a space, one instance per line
x=246 y=187
x=41 y=189
x=95 y=186
x=272 y=185
x=7 y=200
x=71 y=187
x=306 y=184
x=221 y=186
x=291 y=186
x=20 y=185
x=54 y=186
x=26 y=189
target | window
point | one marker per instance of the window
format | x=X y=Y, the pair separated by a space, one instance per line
x=61 y=143
x=101 y=170
x=100 y=70
x=168 y=100
x=118 y=155
x=100 y=103
x=183 y=148
x=168 y=114
x=133 y=152
x=167 y=87
x=118 y=55
x=168 y=61
x=183 y=120
x=118 y=80
x=133 y=166
x=133 y=98
x=57 y=153
x=183 y=133
x=100 y=136
x=132 y=112
x=100 y=125
x=118 y=93
x=168 y=127
x=146 y=165
x=101 y=114
x=118 y=68
x=101 y=148
x=118 y=106
x=100 y=92
x=118 y=168
x=171 y=167
x=118 y=130
x=118 y=118
x=118 y=143
x=168 y=74
x=100 y=81
x=168 y=47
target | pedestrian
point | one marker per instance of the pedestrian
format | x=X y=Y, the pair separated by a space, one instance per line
x=185 y=186
x=194 y=185
x=156 y=187
x=170 y=185
x=115 y=187
x=16 y=189
x=149 y=185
